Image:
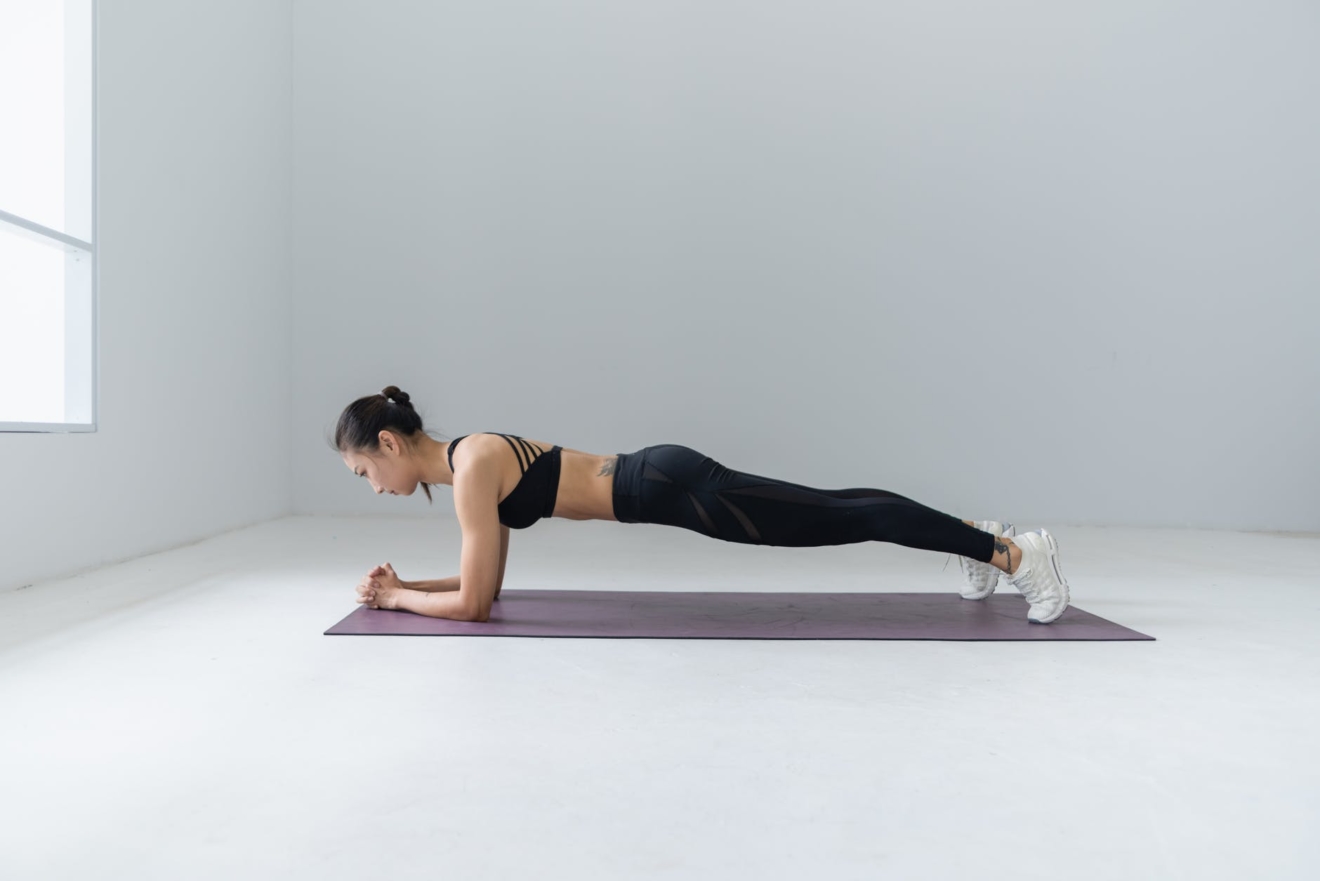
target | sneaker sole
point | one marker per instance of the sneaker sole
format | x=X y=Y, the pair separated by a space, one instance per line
x=1052 y=545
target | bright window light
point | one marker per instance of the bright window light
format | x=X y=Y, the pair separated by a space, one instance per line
x=47 y=215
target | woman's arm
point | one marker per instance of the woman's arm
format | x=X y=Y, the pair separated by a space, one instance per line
x=454 y=606
x=438 y=585
x=435 y=585
x=504 y=555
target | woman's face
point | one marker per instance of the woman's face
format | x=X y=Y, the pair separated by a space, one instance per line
x=388 y=470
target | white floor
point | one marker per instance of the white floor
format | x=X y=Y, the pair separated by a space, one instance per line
x=182 y=716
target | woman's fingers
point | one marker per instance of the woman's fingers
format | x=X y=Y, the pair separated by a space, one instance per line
x=368 y=586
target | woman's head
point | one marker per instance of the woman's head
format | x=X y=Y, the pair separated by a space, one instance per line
x=380 y=438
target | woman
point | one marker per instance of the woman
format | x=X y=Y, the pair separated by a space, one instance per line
x=504 y=481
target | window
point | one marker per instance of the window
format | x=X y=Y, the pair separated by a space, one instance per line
x=47 y=215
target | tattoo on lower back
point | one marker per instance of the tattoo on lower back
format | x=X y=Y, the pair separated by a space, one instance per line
x=608 y=468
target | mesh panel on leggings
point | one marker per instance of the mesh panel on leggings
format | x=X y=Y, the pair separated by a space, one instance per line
x=743 y=519
x=654 y=473
x=705 y=518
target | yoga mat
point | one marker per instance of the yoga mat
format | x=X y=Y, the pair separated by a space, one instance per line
x=634 y=614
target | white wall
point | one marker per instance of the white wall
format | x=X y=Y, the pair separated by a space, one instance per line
x=195 y=263
x=1054 y=263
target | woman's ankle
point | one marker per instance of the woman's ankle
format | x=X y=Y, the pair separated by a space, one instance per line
x=1007 y=557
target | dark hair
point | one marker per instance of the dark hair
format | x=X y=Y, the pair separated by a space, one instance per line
x=363 y=420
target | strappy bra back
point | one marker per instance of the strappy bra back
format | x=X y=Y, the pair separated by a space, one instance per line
x=534 y=496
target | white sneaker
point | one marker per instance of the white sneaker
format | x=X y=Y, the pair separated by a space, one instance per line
x=1038 y=576
x=981 y=577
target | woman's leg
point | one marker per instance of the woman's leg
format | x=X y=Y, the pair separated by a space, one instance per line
x=1007 y=554
x=682 y=487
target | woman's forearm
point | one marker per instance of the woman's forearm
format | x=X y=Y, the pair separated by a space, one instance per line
x=435 y=605
x=435 y=585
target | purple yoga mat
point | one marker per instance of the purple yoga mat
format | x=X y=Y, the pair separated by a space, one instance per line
x=633 y=614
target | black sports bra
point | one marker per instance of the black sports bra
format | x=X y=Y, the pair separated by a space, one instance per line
x=534 y=496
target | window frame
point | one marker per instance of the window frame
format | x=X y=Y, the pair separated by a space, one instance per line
x=82 y=319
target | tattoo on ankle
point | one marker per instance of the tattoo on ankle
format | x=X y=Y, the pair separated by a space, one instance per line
x=1001 y=548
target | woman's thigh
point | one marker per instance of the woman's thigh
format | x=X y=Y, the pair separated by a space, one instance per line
x=683 y=487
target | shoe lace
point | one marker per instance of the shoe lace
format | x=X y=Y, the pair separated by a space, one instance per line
x=978 y=574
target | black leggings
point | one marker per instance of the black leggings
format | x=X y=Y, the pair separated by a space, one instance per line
x=674 y=485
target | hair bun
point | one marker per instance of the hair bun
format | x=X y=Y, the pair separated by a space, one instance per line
x=395 y=394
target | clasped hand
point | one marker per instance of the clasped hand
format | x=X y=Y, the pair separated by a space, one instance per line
x=380 y=587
